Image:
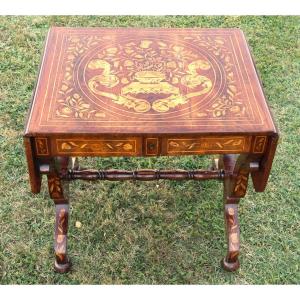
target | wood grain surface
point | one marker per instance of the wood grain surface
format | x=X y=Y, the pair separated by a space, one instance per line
x=148 y=81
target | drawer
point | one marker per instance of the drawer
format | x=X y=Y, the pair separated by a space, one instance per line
x=110 y=146
x=206 y=145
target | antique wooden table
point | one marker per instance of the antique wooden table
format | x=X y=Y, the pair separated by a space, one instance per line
x=149 y=92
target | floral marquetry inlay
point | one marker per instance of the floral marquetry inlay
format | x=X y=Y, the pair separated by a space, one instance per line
x=61 y=234
x=259 y=144
x=149 y=80
x=232 y=231
x=142 y=75
x=96 y=146
x=229 y=102
x=148 y=76
x=241 y=183
x=55 y=187
x=236 y=144
x=41 y=145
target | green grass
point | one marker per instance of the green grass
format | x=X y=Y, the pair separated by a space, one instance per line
x=155 y=232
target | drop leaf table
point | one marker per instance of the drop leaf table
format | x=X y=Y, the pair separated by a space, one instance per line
x=106 y=92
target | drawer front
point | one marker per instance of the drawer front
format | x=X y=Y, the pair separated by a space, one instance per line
x=206 y=145
x=129 y=146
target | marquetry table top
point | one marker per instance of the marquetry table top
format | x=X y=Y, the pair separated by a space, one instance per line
x=99 y=80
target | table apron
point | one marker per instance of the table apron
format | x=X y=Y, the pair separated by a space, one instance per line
x=110 y=146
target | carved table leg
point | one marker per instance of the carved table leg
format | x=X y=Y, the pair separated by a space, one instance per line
x=58 y=190
x=231 y=262
x=235 y=187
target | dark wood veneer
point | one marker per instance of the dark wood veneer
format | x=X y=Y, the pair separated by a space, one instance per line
x=148 y=92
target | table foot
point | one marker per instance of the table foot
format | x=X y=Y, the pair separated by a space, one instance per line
x=230 y=266
x=62 y=268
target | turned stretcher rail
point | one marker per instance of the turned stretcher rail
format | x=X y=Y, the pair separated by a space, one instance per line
x=144 y=174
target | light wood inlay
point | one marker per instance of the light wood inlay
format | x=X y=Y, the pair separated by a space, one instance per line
x=146 y=92
x=41 y=145
x=148 y=81
x=96 y=146
x=208 y=144
x=259 y=144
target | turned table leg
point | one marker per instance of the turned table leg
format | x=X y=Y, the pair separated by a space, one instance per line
x=236 y=174
x=58 y=190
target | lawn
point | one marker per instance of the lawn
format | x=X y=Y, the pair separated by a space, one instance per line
x=151 y=232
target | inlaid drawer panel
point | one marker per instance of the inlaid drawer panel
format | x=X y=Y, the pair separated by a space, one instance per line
x=128 y=146
x=203 y=145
